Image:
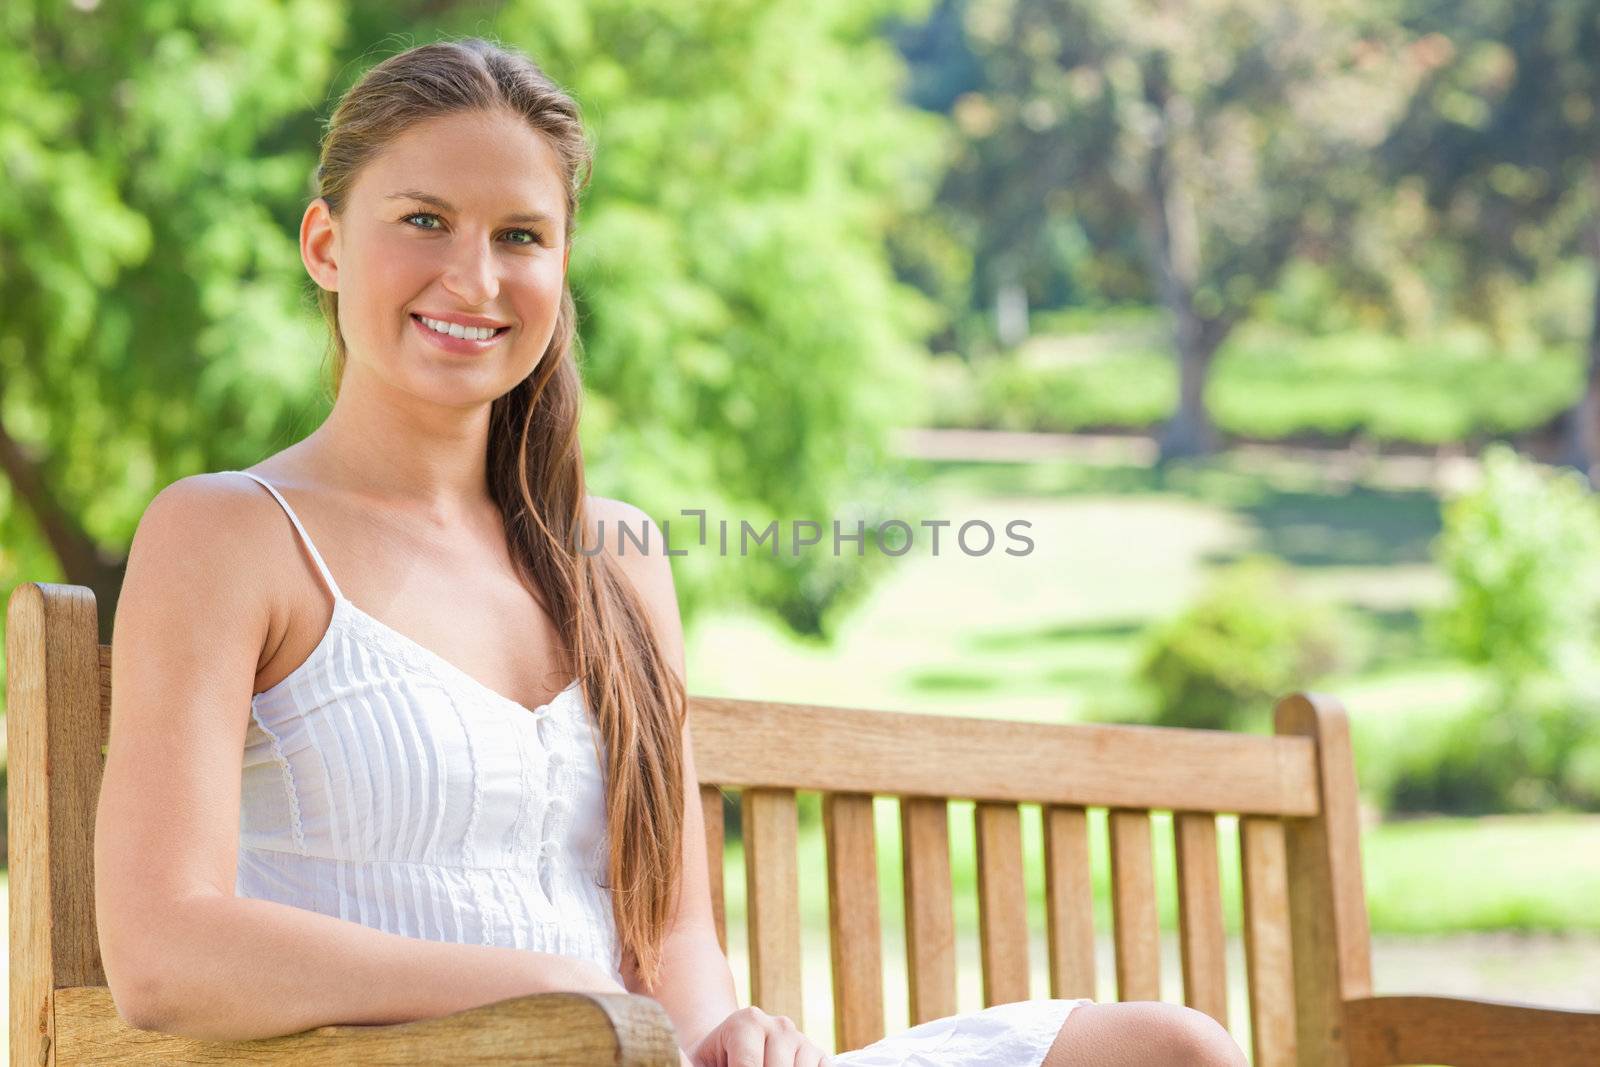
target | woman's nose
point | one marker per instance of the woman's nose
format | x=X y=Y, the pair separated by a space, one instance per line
x=470 y=275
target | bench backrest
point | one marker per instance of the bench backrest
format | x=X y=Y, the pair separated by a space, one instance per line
x=1305 y=922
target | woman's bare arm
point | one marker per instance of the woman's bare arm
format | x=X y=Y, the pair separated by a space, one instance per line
x=197 y=616
x=234 y=968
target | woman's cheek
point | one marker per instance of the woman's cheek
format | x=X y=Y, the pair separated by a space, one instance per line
x=397 y=264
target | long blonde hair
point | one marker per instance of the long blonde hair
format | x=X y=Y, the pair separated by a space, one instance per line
x=535 y=473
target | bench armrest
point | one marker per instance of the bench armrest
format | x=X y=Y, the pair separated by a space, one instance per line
x=547 y=1029
x=1389 y=1030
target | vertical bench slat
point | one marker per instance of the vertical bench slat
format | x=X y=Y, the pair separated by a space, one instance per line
x=1069 y=902
x=711 y=813
x=1002 y=904
x=1133 y=907
x=855 y=936
x=772 y=888
x=930 y=914
x=55 y=706
x=1269 y=969
x=1205 y=983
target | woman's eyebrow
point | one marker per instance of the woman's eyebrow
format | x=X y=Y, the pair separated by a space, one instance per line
x=444 y=205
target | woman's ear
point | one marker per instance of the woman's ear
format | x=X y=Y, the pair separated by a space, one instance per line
x=317 y=245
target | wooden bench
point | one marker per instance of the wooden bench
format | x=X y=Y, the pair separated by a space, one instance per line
x=1305 y=925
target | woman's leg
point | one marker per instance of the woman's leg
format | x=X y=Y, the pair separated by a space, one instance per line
x=1142 y=1033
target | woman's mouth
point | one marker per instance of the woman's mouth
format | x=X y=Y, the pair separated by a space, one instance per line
x=453 y=337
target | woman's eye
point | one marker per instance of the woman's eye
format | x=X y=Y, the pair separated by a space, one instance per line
x=532 y=238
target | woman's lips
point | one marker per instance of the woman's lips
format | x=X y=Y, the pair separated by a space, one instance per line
x=461 y=346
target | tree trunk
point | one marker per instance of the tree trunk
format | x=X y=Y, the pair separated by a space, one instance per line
x=81 y=558
x=1172 y=247
x=1583 y=421
x=1190 y=432
x=1011 y=313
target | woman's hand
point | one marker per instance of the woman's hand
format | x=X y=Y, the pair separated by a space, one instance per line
x=752 y=1038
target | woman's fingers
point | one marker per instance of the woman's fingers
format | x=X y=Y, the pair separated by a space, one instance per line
x=746 y=1047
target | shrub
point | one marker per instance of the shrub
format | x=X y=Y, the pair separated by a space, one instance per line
x=1539 y=756
x=1248 y=640
x=1522 y=552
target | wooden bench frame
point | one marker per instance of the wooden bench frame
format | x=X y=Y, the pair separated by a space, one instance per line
x=1306 y=937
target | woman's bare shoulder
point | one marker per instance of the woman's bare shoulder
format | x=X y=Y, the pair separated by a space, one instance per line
x=631 y=537
x=212 y=536
x=222 y=507
x=612 y=518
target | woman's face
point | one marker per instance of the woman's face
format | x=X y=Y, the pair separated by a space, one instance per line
x=460 y=219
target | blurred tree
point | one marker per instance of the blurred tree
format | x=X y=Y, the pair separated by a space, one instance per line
x=153 y=326
x=746 y=346
x=1226 y=134
x=1502 y=143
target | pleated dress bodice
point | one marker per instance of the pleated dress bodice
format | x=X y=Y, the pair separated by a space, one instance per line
x=383 y=785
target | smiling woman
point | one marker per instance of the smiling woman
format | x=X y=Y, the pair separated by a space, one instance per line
x=484 y=786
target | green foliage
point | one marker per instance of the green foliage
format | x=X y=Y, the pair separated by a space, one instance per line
x=1538 y=754
x=1249 y=639
x=1246 y=127
x=153 y=309
x=1499 y=143
x=1522 y=552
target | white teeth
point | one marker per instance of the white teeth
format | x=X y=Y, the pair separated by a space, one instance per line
x=475 y=333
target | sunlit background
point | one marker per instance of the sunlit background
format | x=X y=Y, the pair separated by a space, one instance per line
x=1278 y=324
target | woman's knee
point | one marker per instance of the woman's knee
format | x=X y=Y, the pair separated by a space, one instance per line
x=1193 y=1037
x=1144 y=1033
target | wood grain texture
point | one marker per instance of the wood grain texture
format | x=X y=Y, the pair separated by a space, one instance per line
x=855 y=937
x=841 y=750
x=1331 y=942
x=930 y=912
x=772 y=888
x=1269 y=968
x=711 y=815
x=547 y=1029
x=53 y=700
x=1135 y=934
x=1386 y=1031
x=1069 y=902
x=1200 y=938
x=1002 y=904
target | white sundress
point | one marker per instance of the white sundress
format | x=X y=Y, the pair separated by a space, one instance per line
x=383 y=785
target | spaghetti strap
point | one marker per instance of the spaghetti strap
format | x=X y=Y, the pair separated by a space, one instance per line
x=316 y=557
